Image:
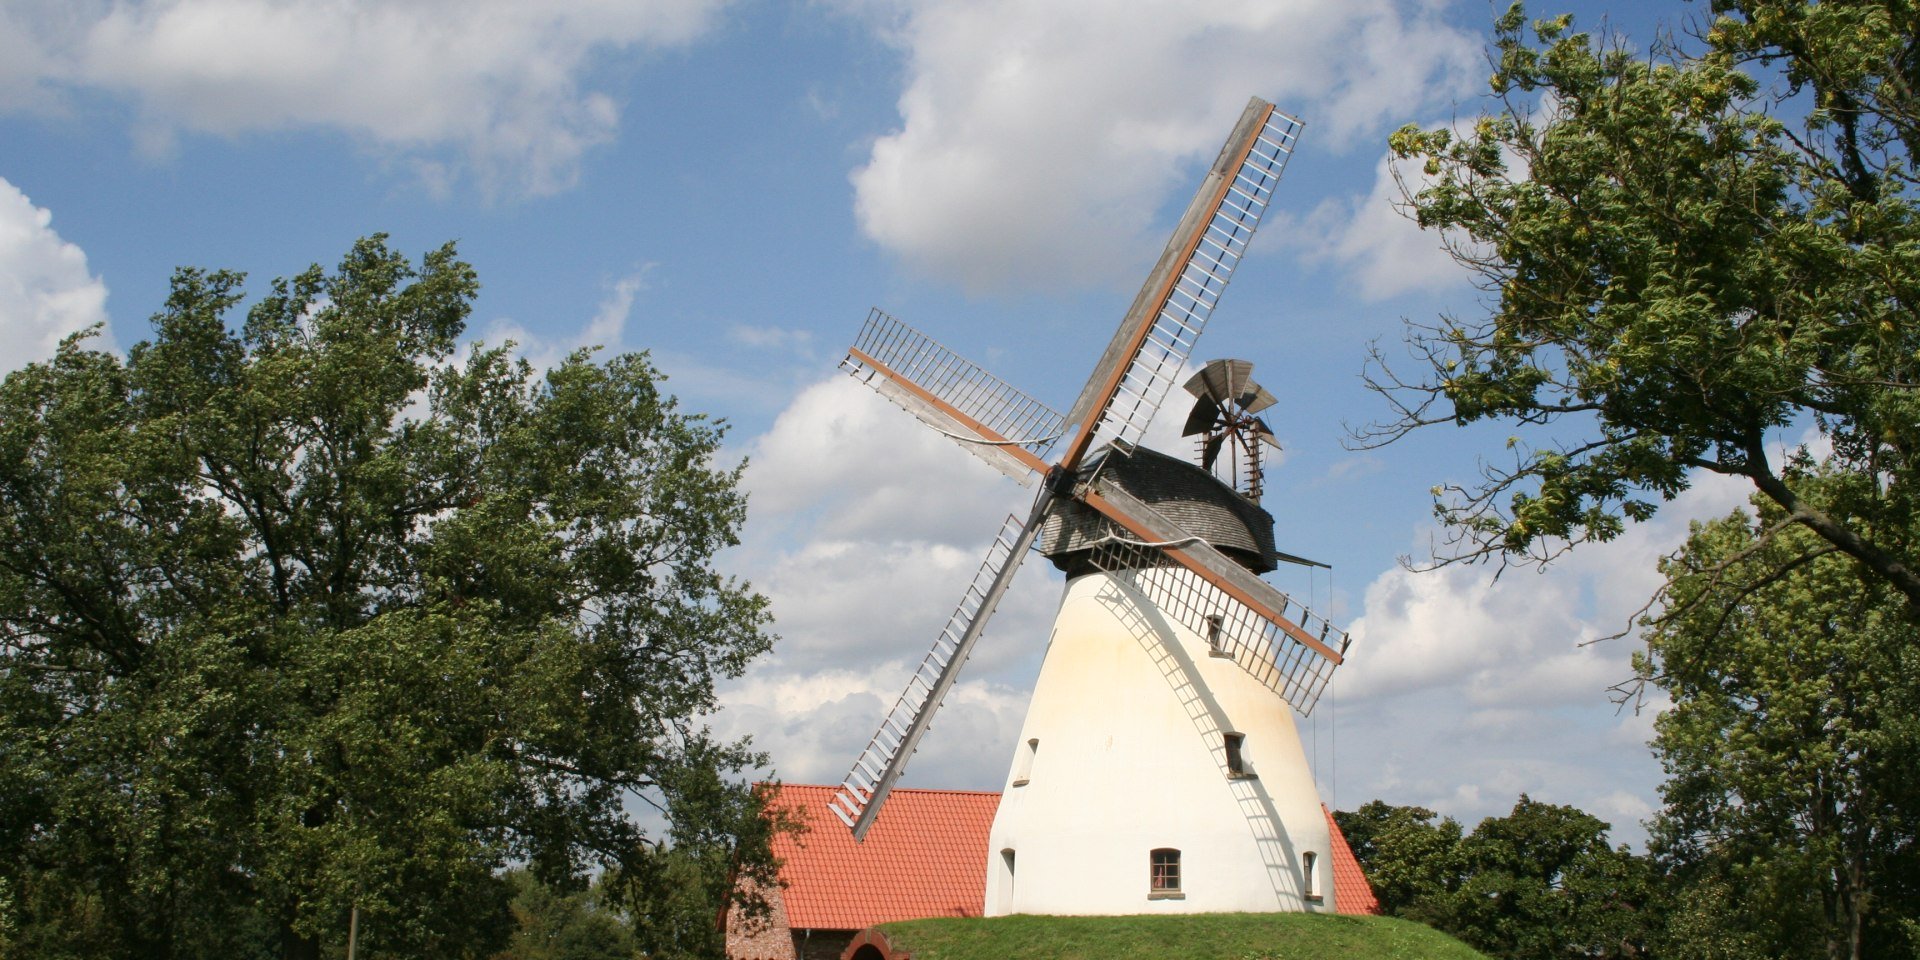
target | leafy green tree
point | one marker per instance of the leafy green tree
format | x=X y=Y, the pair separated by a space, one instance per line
x=1682 y=251
x=679 y=899
x=305 y=617
x=552 y=925
x=1542 y=882
x=1411 y=859
x=1791 y=746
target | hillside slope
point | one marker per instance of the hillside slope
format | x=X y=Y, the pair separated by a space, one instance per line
x=1219 y=936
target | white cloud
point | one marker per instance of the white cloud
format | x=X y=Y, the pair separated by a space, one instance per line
x=493 y=88
x=46 y=291
x=813 y=725
x=1463 y=691
x=861 y=467
x=607 y=328
x=687 y=376
x=883 y=524
x=1383 y=251
x=1526 y=635
x=1038 y=139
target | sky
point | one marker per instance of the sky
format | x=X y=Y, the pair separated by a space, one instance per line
x=732 y=184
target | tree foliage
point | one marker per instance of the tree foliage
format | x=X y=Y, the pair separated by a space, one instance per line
x=1790 y=747
x=1542 y=882
x=306 y=615
x=1538 y=884
x=552 y=925
x=1411 y=859
x=1682 y=252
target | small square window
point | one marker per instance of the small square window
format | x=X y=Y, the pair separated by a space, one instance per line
x=1163 y=881
x=1023 y=769
x=1215 y=624
x=1236 y=760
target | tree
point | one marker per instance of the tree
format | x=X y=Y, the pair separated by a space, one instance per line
x=551 y=925
x=1540 y=882
x=1682 y=252
x=1790 y=747
x=1411 y=860
x=308 y=620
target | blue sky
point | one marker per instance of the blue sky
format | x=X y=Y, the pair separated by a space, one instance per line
x=731 y=185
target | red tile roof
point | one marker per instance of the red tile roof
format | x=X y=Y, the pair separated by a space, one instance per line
x=1351 y=892
x=926 y=856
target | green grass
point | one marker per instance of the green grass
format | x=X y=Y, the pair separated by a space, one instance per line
x=1207 y=936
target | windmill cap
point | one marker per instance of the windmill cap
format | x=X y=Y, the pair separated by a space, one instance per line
x=1183 y=492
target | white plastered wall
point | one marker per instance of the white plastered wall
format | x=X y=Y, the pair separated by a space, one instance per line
x=1130 y=713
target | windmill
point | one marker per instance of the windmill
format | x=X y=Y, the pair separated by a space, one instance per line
x=1102 y=509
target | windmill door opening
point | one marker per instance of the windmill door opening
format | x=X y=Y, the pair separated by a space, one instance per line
x=1006 y=880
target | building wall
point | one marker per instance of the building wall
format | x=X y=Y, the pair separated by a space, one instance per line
x=761 y=938
x=1131 y=713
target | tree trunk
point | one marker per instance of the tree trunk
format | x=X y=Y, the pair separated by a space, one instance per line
x=293 y=946
x=1855 y=901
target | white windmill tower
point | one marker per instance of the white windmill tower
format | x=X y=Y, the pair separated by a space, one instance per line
x=1157 y=769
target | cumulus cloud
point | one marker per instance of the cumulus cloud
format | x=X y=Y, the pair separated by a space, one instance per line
x=1385 y=254
x=857 y=466
x=1463 y=691
x=1036 y=140
x=814 y=724
x=46 y=291
x=495 y=89
x=1526 y=633
x=607 y=328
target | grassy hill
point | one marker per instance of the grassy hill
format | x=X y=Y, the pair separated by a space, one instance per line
x=1214 y=936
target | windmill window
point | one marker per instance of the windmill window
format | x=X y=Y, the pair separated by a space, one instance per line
x=1023 y=770
x=1307 y=890
x=1215 y=623
x=1163 y=875
x=1236 y=759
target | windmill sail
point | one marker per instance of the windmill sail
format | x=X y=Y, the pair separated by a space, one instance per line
x=1157 y=336
x=880 y=765
x=997 y=423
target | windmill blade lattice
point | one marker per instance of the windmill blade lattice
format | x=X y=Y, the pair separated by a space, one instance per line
x=880 y=765
x=990 y=418
x=1242 y=616
x=1142 y=363
x=1261 y=647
